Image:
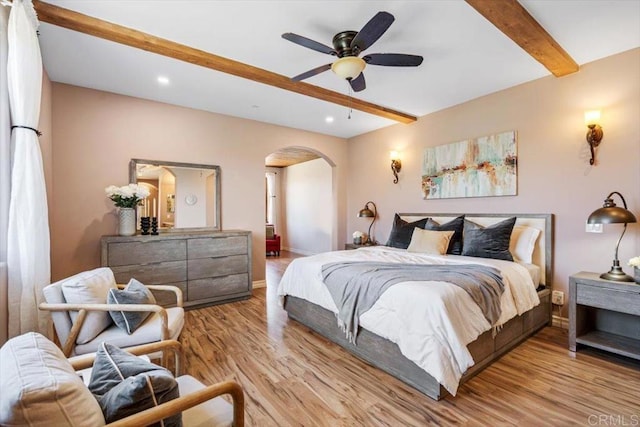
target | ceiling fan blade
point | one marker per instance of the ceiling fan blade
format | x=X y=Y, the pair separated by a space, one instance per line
x=372 y=31
x=393 y=59
x=358 y=84
x=311 y=73
x=308 y=43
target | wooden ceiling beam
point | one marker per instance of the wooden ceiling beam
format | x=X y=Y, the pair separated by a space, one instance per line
x=109 y=31
x=515 y=22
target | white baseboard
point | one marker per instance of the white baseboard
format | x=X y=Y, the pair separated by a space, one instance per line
x=560 y=322
x=259 y=284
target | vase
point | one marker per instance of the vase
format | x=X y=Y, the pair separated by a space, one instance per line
x=127 y=222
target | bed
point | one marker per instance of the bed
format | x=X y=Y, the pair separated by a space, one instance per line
x=381 y=340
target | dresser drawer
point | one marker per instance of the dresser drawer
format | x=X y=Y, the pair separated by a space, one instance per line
x=624 y=301
x=217 y=246
x=168 y=297
x=215 y=267
x=152 y=274
x=217 y=286
x=128 y=253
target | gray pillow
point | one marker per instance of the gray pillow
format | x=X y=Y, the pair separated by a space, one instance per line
x=488 y=242
x=134 y=293
x=401 y=233
x=125 y=384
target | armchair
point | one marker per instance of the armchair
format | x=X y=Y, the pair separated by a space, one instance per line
x=69 y=318
x=40 y=387
x=272 y=240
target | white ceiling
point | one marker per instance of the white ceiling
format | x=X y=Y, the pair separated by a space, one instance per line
x=465 y=56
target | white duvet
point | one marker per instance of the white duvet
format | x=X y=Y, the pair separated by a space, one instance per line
x=431 y=322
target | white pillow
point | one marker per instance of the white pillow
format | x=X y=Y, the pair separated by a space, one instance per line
x=429 y=241
x=90 y=287
x=523 y=243
x=40 y=388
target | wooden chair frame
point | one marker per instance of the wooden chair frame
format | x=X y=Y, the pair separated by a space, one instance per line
x=84 y=309
x=164 y=410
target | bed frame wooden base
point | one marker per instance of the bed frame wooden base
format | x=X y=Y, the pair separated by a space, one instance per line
x=386 y=355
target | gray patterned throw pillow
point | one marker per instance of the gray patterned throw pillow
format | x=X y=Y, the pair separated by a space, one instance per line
x=134 y=293
x=125 y=384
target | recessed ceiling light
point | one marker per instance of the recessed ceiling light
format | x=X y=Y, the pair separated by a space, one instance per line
x=163 y=80
x=328 y=119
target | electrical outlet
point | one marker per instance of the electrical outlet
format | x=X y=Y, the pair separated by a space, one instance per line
x=557 y=298
x=593 y=228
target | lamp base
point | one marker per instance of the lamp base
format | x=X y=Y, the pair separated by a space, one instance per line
x=616 y=274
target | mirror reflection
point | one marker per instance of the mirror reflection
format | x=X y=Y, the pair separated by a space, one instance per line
x=182 y=195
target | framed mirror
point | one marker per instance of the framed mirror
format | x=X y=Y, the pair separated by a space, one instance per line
x=182 y=195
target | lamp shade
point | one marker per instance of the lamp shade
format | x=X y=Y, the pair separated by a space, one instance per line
x=611 y=214
x=366 y=213
x=614 y=215
x=348 y=67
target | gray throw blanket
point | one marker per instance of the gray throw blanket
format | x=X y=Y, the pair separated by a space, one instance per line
x=356 y=286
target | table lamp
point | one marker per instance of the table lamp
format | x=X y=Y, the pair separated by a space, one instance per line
x=612 y=214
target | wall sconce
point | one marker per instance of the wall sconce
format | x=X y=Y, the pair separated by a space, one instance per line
x=396 y=165
x=594 y=134
x=609 y=213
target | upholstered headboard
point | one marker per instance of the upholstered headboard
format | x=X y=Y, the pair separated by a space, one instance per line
x=543 y=252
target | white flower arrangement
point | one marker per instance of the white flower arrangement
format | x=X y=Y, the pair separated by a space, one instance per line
x=357 y=234
x=127 y=196
x=635 y=262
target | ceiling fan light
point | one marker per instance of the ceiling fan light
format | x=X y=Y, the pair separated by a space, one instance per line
x=348 y=67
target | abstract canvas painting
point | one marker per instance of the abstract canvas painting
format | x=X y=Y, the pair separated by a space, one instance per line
x=479 y=167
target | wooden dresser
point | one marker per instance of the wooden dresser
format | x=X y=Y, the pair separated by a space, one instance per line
x=210 y=267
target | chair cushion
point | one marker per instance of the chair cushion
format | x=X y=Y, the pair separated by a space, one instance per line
x=124 y=385
x=40 y=388
x=216 y=412
x=270 y=232
x=90 y=287
x=148 y=332
x=134 y=293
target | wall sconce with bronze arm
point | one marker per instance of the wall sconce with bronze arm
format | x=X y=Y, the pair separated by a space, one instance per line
x=396 y=165
x=594 y=134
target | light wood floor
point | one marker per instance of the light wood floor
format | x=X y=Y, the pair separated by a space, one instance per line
x=294 y=377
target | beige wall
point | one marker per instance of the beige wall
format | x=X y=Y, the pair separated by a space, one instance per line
x=97 y=133
x=554 y=175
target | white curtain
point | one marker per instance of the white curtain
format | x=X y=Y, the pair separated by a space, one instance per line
x=272 y=210
x=5 y=171
x=28 y=236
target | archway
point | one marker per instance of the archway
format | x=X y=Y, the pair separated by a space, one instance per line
x=301 y=187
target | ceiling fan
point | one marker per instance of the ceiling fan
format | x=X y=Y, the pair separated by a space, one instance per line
x=347 y=45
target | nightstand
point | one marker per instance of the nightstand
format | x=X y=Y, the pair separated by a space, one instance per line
x=348 y=246
x=604 y=314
